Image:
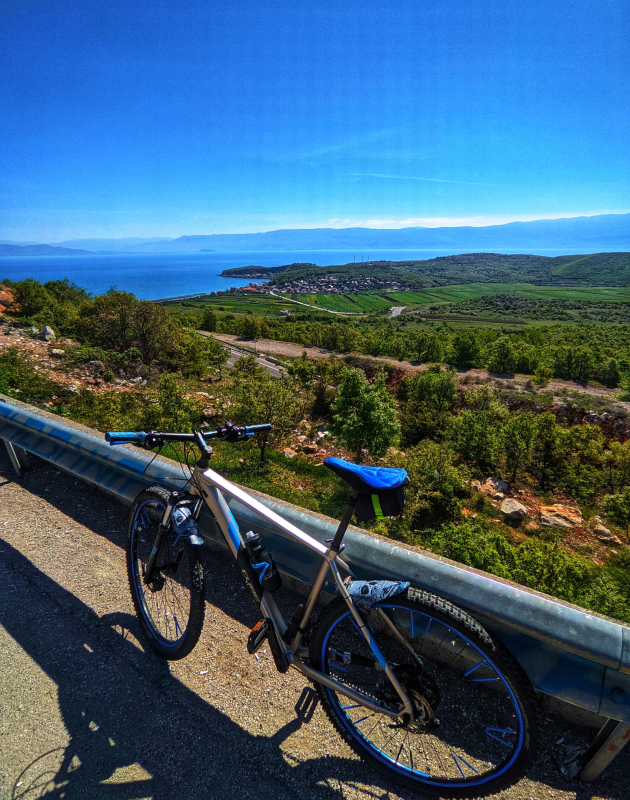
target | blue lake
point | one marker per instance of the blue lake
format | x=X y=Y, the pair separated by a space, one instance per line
x=152 y=276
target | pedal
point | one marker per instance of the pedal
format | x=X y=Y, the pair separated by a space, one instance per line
x=258 y=634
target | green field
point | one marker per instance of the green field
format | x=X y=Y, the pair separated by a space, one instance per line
x=260 y=305
x=357 y=303
x=469 y=291
x=270 y=306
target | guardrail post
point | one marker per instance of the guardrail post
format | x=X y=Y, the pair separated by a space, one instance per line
x=609 y=742
x=19 y=457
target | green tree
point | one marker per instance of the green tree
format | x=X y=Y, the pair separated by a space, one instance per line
x=617 y=463
x=364 y=414
x=429 y=349
x=30 y=296
x=501 y=357
x=117 y=321
x=582 y=366
x=209 y=320
x=64 y=291
x=216 y=353
x=464 y=349
x=248 y=365
x=303 y=368
x=260 y=398
x=610 y=374
x=583 y=468
x=170 y=409
x=430 y=398
x=548 y=449
x=477 y=430
x=617 y=507
x=542 y=374
x=517 y=436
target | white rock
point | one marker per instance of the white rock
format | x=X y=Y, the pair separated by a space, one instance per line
x=494 y=485
x=559 y=516
x=609 y=539
x=513 y=510
x=601 y=530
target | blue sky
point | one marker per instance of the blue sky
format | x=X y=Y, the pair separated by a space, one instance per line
x=148 y=118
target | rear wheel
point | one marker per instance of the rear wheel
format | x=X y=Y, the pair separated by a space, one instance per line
x=474 y=726
x=171 y=607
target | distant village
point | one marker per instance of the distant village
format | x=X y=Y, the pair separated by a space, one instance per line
x=327 y=284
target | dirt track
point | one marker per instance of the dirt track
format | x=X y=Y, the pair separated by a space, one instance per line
x=290 y=350
x=86 y=713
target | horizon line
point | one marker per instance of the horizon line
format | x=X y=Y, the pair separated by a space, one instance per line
x=430 y=223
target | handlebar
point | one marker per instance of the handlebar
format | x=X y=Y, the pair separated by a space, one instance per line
x=227 y=432
x=125 y=437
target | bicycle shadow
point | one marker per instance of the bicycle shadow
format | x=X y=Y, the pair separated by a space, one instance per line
x=122 y=709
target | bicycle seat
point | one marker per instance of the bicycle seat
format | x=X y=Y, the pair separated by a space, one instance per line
x=368 y=480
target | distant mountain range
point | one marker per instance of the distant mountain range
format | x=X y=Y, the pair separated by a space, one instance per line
x=604 y=232
x=40 y=250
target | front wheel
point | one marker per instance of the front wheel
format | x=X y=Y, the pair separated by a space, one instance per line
x=474 y=726
x=171 y=606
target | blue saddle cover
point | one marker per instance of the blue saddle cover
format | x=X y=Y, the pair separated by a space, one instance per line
x=368 y=480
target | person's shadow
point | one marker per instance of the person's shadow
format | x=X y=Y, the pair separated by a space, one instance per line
x=122 y=707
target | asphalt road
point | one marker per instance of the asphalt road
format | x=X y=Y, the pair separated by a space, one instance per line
x=86 y=712
x=234 y=355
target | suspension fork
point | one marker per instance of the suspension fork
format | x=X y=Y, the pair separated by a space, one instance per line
x=159 y=540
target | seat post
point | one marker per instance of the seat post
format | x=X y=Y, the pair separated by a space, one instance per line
x=345 y=521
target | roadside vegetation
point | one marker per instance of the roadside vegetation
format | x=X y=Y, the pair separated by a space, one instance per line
x=567 y=469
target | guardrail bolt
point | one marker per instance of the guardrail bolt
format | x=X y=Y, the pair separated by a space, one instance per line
x=618 y=695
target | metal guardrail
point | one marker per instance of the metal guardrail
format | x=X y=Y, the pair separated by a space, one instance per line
x=568 y=653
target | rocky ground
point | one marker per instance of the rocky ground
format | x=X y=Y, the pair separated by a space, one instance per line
x=524 y=512
x=49 y=359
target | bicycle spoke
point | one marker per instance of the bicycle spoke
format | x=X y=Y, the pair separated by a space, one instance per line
x=469 y=738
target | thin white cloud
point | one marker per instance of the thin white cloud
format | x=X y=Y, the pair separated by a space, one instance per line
x=358 y=175
x=479 y=221
x=352 y=142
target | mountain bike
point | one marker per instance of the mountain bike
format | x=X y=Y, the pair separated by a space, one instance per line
x=416 y=686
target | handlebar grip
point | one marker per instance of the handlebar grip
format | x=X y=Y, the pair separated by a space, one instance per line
x=267 y=426
x=125 y=437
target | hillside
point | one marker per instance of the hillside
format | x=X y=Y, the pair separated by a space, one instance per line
x=602 y=269
x=598 y=269
x=252 y=271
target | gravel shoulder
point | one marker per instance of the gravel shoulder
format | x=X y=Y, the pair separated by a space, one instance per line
x=87 y=712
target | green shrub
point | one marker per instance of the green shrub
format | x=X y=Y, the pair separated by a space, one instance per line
x=545 y=566
x=436 y=486
x=618 y=508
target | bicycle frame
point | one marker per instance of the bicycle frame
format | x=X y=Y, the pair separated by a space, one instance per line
x=210 y=487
